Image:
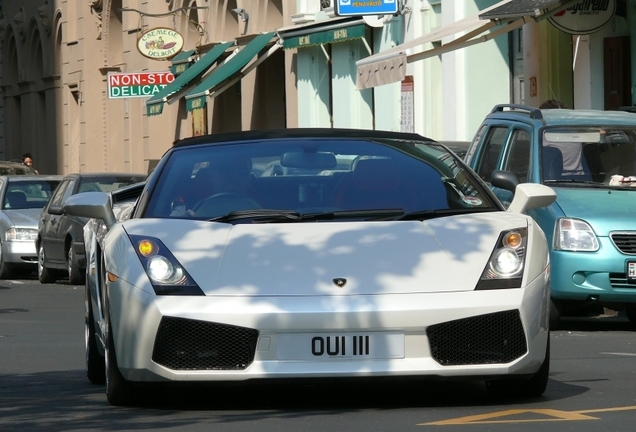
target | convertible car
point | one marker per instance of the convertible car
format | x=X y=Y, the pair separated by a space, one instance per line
x=315 y=254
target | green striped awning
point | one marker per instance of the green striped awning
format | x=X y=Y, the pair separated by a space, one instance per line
x=154 y=105
x=325 y=37
x=197 y=97
x=182 y=61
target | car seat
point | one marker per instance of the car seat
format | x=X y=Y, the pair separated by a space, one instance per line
x=552 y=163
x=16 y=200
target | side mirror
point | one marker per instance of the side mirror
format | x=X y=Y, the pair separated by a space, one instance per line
x=55 y=210
x=530 y=196
x=91 y=205
x=504 y=180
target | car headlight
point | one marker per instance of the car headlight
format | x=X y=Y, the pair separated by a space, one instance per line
x=166 y=275
x=574 y=235
x=21 y=234
x=506 y=263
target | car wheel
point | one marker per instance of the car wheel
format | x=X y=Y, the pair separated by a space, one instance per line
x=555 y=314
x=119 y=392
x=75 y=274
x=523 y=388
x=631 y=313
x=5 y=271
x=44 y=274
x=95 y=362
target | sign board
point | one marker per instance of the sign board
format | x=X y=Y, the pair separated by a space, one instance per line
x=407 y=117
x=361 y=7
x=160 y=43
x=584 y=17
x=137 y=84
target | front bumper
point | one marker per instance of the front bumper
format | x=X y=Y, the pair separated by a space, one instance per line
x=601 y=275
x=19 y=253
x=136 y=316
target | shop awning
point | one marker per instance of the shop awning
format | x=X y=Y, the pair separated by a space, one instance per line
x=182 y=61
x=217 y=81
x=184 y=81
x=390 y=65
x=321 y=36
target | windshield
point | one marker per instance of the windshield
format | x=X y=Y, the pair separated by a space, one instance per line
x=32 y=194
x=314 y=176
x=590 y=154
x=107 y=184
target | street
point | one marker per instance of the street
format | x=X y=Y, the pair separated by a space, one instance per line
x=43 y=385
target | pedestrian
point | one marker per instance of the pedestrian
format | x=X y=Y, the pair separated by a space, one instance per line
x=27 y=159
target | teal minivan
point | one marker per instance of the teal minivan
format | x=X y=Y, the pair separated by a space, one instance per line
x=589 y=158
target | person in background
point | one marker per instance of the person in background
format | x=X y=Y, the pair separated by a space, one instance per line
x=573 y=158
x=27 y=159
x=552 y=104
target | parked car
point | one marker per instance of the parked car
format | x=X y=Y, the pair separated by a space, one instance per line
x=373 y=254
x=60 y=240
x=23 y=197
x=589 y=158
x=15 y=168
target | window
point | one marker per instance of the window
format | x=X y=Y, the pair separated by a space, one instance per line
x=519 y=155
x=491 y=151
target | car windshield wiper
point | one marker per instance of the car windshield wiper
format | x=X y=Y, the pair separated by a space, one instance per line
x=273 y=216
x=430 y=214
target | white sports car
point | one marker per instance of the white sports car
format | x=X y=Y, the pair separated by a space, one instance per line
x=313 y=253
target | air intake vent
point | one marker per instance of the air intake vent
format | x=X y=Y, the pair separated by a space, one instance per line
x=486 y=339
x=184 y=344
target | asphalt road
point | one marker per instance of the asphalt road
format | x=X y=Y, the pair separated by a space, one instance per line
x=43 y=385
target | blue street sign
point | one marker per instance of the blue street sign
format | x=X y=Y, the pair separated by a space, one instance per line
x=365 y=7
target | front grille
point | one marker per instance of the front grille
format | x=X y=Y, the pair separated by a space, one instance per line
x=625 y=241
x=619 y=280
x=185 y=344
x=485 y=339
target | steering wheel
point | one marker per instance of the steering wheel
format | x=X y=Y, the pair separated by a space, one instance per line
x=223 y=203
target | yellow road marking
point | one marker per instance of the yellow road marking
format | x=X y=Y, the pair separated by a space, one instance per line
x=550 y=415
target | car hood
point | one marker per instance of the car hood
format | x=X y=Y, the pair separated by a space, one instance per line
x=24 y=218
x=305 y=259
x=605 y=210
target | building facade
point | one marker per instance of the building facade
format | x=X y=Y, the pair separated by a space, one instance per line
x=263 y=64
x=57 y=56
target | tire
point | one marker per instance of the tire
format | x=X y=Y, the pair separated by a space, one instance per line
x=75 y=274
x=5 y=270
x=523 y=388
x=630 y=311
x=44 y=274
x=95 y=362
x=119 y=392
x=555 y=314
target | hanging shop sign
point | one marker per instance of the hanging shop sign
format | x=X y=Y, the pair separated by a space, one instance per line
x=160 y=43
x=584 y=17
x=137 y=84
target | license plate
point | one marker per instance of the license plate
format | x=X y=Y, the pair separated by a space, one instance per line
x=340 y=346
x=631 y=271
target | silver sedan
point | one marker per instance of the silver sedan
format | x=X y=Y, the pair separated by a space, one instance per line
x=23 y=198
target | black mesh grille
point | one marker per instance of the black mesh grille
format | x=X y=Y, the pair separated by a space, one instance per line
x=184 y=344
x=484 y=339
x=625 y=242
